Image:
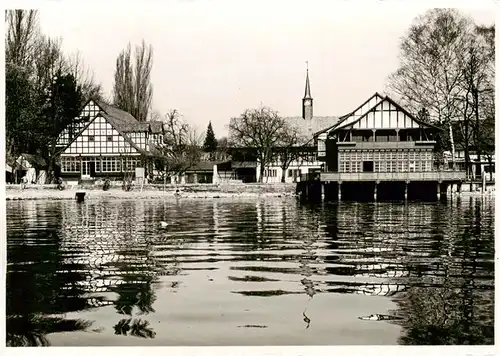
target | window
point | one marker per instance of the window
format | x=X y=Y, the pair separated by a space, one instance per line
x=321 y=148
x=110 y=138
x=129 y=164
x=70 y=164
x=270 y=173
x=110 y=164
x=91 y=138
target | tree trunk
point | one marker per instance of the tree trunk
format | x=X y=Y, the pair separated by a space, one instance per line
x=491 y=167
x=452 y=146
x=283 y=174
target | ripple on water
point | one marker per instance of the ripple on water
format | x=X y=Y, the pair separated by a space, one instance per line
x=253 y=265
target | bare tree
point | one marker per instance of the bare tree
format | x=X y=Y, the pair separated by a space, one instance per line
x=48 y=62
x=133 y=90
x=123 y=90
x=181 y=146
x=430 y=74
x=143 y=87
x=21 y=38
x=289 y=148
x=257 y=129
x=447 y=70
x=85 y=78
x=478 y=84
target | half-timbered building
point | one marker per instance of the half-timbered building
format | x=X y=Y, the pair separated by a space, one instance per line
x=106 y=142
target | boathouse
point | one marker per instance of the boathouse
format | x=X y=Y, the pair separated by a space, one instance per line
x=380 y=151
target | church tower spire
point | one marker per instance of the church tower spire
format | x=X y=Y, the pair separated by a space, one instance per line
x=307 y=101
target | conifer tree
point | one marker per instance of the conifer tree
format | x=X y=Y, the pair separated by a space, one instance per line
x=210 y=144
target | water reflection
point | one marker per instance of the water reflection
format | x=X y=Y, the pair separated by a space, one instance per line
x=434 y=261
x=134 y=327
x=456 y=308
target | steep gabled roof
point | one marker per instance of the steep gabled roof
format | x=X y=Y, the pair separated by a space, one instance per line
x=128 y=123
x=347 y=116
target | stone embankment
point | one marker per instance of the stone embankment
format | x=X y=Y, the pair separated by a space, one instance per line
x=199 y=191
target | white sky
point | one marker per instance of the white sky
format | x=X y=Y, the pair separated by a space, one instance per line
x=214 y=59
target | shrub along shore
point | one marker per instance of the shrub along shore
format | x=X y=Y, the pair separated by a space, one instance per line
x=204 y=191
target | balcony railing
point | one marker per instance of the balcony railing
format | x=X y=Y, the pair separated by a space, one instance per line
x=386 y=145
x=393 y=176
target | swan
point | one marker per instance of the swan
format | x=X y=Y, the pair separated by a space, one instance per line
x=163 y=224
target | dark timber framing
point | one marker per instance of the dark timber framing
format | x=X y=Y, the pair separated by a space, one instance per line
x=379 y=151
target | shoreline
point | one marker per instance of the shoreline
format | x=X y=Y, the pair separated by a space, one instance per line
x=34 y=193
x=45 y=193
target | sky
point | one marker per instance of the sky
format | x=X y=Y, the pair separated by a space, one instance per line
x=214 y=59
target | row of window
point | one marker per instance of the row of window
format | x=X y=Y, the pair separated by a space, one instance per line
x=270 y=172
x=368 y=155
x=98 y=164
x=385 y=166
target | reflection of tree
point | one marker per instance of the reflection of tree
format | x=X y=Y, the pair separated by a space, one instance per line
x=140 y=295
x=40 y=285
x=434 y=260
x=435 y=316
x=31 y=330
x=119 y=252
x=460 y=309
x=138 y=328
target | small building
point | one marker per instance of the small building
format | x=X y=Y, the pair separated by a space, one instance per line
x=106 y=142
x=479 y=165
x=381 y=151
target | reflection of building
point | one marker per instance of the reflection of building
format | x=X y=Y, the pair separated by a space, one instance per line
x=93 y=237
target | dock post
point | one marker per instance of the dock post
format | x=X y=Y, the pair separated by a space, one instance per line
x=323 y=191
x=375 y=191
x=483 y=183
x=340 y=190
x=80 y=197
x=439 y=190
x=406 y=189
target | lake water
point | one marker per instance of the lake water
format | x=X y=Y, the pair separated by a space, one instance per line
x=249 y=272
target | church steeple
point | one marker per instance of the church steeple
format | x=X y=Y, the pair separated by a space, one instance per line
x=307 y=101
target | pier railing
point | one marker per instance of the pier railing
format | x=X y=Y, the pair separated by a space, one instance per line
x=393 y=176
